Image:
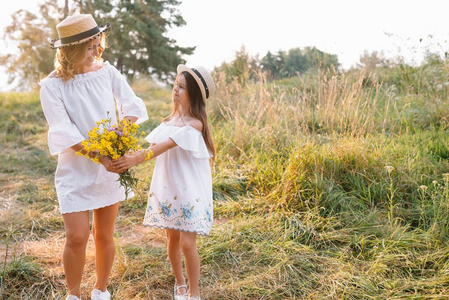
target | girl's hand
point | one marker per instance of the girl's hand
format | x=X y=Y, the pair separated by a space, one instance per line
x=127 y=161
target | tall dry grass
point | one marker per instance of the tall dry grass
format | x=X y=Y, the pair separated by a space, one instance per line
x=326 y=186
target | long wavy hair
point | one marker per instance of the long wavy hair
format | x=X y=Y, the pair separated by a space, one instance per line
x=69 y=59
x=197 y=109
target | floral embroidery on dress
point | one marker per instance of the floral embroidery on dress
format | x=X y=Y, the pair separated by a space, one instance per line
x=187 y=211
x=165 y=208
x=179 y=198
x=208 y=216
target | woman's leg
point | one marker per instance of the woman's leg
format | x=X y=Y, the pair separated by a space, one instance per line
x=103 y=232
x=77 y=234
x=175 y=257
x=192 y=259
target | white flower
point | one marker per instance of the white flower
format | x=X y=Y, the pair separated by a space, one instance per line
x=389 y=169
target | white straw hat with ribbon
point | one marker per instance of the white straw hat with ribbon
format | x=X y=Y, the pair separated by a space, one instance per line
x=77 y=29
x=202 y=77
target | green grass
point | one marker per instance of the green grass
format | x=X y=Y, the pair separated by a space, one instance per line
x=325 y=186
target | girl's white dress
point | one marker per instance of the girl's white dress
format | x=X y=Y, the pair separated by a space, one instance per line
x=72 y=110
x=180 y=195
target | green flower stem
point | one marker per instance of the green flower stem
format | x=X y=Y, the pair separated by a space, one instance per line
x=128 y=181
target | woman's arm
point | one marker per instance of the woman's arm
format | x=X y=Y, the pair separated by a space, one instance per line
x=105 y=161
x=127 y=102
x=132 y=159
x=132 y=119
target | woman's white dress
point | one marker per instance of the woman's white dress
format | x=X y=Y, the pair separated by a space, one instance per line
x=72 y=109
x=180 y=195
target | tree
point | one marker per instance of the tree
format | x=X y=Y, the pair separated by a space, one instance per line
x=371 y=61
x=298 y=61
x=320 y=60
x=295 y=63
x=139 y=29
x=272 y=64
x=239 y=69
x=34 y=57
x=138 y=44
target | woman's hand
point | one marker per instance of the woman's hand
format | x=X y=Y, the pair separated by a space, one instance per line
x=108 y=165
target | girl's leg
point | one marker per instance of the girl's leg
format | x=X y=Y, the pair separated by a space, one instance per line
x=77 y=234
x=103 y=232
x=192 y=259
x=175 y=257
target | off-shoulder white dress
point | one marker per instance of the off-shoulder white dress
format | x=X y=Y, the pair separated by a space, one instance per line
x=72 y=109
x=180 y=195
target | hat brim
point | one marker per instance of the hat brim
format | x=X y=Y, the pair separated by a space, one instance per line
x=57 y=43
x=184 y=68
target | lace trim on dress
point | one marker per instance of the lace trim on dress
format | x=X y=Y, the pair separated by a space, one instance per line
x=178 y=228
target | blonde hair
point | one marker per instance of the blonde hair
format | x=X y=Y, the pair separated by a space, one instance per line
x=69 y=59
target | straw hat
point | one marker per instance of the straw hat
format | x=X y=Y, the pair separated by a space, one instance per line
x=77 y=29
x=202 y=77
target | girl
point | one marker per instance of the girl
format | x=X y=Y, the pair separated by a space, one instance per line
x=180 y=196
x=78 y=93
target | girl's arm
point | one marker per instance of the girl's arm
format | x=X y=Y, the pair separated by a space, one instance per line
x=132 y=159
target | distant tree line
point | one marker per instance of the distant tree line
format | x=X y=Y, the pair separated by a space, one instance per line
x=281 y=64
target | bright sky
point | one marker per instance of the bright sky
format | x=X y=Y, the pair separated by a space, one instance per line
x=219 y=28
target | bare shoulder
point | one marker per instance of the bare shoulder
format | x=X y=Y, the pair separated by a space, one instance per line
x=195 y=123
x=53 y=74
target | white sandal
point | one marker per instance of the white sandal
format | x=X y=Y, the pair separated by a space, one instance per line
x=181 y=296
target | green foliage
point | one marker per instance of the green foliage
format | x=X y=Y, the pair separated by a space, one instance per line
x=138 y=37
x=350 y=168
x=239 y=69
x=137 y=40
x=20 y=272
x=272 y=63
x=278 y=65
x=298 y=61
x=34 y=57
x=295 y=63
x=326 y=186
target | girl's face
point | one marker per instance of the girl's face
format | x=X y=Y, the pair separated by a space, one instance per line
x=180 y=94
x=92 y=52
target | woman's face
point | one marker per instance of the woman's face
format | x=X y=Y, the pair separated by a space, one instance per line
x=92 y=51
x=180 y=94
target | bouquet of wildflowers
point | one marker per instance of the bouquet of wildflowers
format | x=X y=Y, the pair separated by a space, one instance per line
x=113 y=141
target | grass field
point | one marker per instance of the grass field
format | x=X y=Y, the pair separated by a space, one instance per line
x=326 y=186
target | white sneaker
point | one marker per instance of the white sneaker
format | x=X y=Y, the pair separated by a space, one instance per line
x=99 y=295
x=72 y=297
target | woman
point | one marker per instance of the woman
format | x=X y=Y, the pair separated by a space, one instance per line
x=81 y=91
